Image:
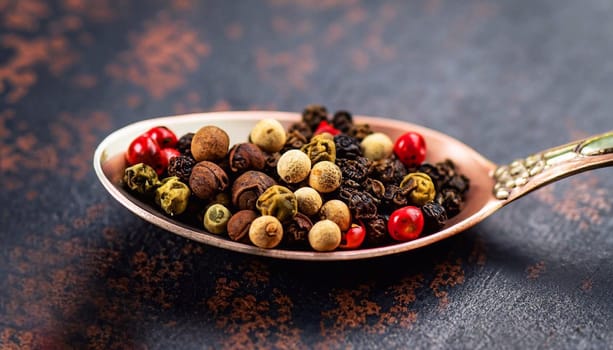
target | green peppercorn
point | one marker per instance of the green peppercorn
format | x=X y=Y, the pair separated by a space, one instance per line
x=320 y=148
x=278 y=201
x=216 y=219
x=172 y=196
x=141 y=178
x=423 y=188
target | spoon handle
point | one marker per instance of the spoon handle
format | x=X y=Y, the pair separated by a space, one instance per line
x=525 y=175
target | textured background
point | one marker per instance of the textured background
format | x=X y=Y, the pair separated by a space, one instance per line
x=506 y=77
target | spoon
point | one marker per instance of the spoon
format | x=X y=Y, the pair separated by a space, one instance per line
x=491 y=186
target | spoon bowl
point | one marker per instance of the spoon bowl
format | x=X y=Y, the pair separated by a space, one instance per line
x=491 y=187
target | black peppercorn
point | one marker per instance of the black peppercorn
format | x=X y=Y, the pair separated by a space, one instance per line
x=361 y=204
x=302 y=128
x=451 y=200
x=360 y=131
x=388 y=170
x=347 y=146
x=376 y=231
x=355 y=170
x=435 y=216
x=459 y=183
x=184 y=144
x=296 y=231
x=313 y=115
x=181 y=167
x=342 y=121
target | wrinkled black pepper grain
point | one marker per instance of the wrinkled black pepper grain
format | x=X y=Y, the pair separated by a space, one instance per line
x=451 y=200
x=184 y=144
x=353 y=169
x=342 y=121
x=435 y=216
x=362 y=205
x=347 y=147
x=181 y=167
x=313 y=115
x=376 y=231
x=388 y=170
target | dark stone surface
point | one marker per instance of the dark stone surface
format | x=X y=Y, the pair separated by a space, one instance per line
x=506 y=77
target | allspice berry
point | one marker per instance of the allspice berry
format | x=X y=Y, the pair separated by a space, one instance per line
x=338 y=212
x=377 y=146
x=207 y=179
x=325 y=177
x=246 y=156
x=293 y=166
x=239 y=223
x=309 y=200
x=210 y=143
x=266 y=232
x=325 y=236
x=216 y=218
x=269 y=135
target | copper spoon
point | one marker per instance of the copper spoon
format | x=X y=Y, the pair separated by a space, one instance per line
x=492 y=186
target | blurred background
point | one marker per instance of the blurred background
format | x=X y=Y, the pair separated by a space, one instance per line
x=507 y=78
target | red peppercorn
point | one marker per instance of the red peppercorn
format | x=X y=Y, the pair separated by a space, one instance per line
x=167 y=153
x=162 y=136
x=410 y=148
x=144 y=150
x=325 y=127
x=406 y=223
x=354 y=237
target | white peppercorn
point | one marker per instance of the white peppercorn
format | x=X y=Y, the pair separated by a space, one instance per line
x=309 y=200
x=269 y=135
x=338 y=212
x=377 y=146
x=325 y=236
x=266 y=232
x=293 y=166
x=325 y=177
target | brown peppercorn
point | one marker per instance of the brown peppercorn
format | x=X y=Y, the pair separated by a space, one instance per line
x=207 y=179
x=313 y=115
x=266 y=232
x=239 y=223
x=246 y=156
x=210 y=143
x=325 y=236
x=388 y=170
x=325 y=177
x=338 y=212
x=248 y=187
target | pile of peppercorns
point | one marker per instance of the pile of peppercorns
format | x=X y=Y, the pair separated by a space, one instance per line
x=324 y=184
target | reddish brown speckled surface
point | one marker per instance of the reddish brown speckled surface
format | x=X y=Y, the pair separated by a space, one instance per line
x=508 y=78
